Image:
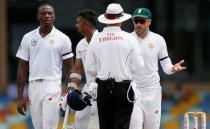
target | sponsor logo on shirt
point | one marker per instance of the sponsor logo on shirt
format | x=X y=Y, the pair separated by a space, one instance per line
x=110 y=37
x=34 y=42
x=150 y=45
x=50 y=99
x=52 y=41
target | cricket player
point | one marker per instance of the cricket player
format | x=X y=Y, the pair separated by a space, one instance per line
x=42 y=53
x=86 y=25
x=147 y=110
x=113 y=58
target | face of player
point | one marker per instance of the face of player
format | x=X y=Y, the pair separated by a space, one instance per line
x=141 y=26
x=46 y=15
x=81 y=25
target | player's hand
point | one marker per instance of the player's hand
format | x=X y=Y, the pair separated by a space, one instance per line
x=73 y=89
x=86 y=97
x=91 y=89
x=63 y=104
x=177 y=67
x=21 y=106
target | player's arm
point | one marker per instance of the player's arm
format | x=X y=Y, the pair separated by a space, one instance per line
x=67 y=57
x=169 y=68
x=68 y=67
x=21 y=79
x=78 y=68
x=165 y=60
x=178 y=67
x=76 y=76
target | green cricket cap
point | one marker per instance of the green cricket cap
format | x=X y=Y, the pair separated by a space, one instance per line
x=143 y=13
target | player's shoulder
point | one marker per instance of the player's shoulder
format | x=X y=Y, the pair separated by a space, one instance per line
x=133 y=33
x=131 y=39
x=61 y=34
x=156 y=36
x=81 y=42
x=30 y=33
x=124 y=32
x=127 y=35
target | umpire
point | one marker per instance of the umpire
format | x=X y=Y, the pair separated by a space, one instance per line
x=113 y=58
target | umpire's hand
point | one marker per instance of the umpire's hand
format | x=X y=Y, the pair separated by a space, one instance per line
x=21 y=106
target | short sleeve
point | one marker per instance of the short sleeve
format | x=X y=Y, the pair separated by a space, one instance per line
x=164 y=59
x=90 y=62
x=163 y=51
x=66 y=49
x=78 y=54
x=23 y=50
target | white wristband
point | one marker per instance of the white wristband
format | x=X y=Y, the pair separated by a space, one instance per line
x=75 y=75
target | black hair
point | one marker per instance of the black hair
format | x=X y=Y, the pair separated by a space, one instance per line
x=43 y=4
x=88 y=14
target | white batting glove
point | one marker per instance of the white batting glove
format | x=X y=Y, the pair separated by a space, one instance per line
x=91 y=89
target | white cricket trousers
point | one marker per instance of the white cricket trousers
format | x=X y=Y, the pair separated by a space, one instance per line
x=87 y=118
x=44 y=98
x=147 y=109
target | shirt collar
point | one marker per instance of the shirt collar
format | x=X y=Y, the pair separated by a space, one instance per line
x=112 y=28
x=95 y=32
x=52 y=32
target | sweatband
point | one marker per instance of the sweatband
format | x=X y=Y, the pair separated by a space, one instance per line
x=75 y=75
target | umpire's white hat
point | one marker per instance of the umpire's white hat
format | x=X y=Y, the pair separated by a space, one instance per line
x=114 y=14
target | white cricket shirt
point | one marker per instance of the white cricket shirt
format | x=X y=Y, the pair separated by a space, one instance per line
x=154 y=49
x=81 y=51
x=113 y=53
x=45 y=55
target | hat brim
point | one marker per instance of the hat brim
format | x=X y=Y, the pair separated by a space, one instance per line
x=141 y=16
x=104 y=20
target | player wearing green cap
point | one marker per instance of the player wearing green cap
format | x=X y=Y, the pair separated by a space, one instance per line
x=147 y=109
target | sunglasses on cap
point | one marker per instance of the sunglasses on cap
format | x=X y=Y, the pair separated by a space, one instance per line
x=141 y=21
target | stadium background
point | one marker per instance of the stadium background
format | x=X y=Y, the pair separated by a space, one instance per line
x=185 y=25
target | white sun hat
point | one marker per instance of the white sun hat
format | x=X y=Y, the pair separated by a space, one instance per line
x=114 y=14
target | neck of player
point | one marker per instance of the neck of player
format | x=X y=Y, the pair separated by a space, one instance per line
x=89 y=35
x=45 y=30
x=142 y=34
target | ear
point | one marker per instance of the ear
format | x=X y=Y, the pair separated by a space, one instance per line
x=87 y=23
x=149 y=22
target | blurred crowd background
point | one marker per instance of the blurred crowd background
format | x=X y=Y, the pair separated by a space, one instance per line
x=185 y=25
